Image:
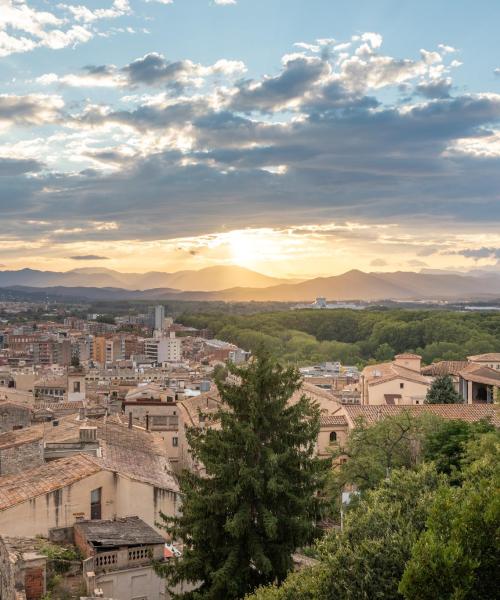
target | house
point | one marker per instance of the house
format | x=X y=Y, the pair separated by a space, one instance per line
x=478 y=383
x=397 y=382
x=333 y=430
x=446 y=367
x=129 y=475
x=118 y=558
x=491 y=360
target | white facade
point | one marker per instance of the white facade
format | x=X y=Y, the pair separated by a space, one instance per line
x=163 y=349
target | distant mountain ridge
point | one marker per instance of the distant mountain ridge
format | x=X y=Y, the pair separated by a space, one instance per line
x=209 y=279
x=352 y=285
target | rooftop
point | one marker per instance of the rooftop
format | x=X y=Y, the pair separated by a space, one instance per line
x=19 y=437
x=127 y=531
x=444 y=367
x=490 y=356
x=15 y=489
x=464 y=412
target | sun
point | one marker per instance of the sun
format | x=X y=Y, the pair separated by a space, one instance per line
x=243 y=248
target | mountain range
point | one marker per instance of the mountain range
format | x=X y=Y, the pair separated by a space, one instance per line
x=231 y=283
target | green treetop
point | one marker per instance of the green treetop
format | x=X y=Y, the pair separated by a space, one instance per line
x=442 y=391
x=242 y=520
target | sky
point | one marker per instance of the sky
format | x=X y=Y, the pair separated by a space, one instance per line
x=298 y=138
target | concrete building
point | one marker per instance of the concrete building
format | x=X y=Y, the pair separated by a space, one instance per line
x=161 y=348
x=159 y=317
x=118 y=558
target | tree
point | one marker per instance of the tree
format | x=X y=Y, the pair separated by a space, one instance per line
x=256 y=503
x=457 y=557
x=367 y=559
x=442 y=391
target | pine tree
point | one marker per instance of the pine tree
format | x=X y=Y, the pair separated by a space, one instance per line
x=241 y=521
x=442 y=391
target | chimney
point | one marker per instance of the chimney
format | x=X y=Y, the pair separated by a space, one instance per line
x=130 y=420
x=88 y=434
x=81 y=413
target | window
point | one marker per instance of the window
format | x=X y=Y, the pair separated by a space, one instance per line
x=333 y=436
x=95 y=503
x=175 y=442
x=401 y=385
x=76 y=387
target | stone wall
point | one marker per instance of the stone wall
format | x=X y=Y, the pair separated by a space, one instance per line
x=14 y=417
x=16 y=459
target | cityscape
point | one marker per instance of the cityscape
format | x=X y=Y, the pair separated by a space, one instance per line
x=249 y=300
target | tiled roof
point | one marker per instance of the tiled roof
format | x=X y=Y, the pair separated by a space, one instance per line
x=408 y=355
x=46 y=478
x=444 y=367
x=464 y=412
x=326 y=420
x=481 y=374
x=19 y=437
x=380 y=373
x=490 y=356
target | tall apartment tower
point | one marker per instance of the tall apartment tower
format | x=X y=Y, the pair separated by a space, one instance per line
x=159 y=317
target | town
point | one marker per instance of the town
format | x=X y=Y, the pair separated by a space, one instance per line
x=94 y=414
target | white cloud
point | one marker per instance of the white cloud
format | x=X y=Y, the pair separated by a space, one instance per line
x=447 y=49
x=224 y=2
x=84 y=14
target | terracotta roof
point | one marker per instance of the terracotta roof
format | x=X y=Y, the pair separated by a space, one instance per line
x=9 y=404
x=490 y=356
x=380 y=373
x=46 y=478
x=18 y=437
x=444 y=367
x=463 y=412
x=481 y=374
x=327 y=420
x=408 y=355
x=56 y=407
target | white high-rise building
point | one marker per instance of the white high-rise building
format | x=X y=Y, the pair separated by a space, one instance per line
x=159 y=317
x=163 y=349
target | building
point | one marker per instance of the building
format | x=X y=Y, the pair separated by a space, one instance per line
x=118 y=558
x=159 y=317
x=478 y=383
x=491 y=360
x=161 y=348
x=396 y=382
x=131 y=475
x=14 y=416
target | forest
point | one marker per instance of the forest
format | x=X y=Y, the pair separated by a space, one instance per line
x=356 y=337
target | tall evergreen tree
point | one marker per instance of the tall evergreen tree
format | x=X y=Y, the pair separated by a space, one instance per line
x=442 y=391
x=241 y=521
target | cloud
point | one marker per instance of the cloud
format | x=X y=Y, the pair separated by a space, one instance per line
x=378 y=262
x=478 y=253
x=224 y=2
x=417 y=263
x=435 y=88
x=84 y=14
x=88 y=257
x=316 y=140
x=32 y=109
x=276 y=93
x=10 y=167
